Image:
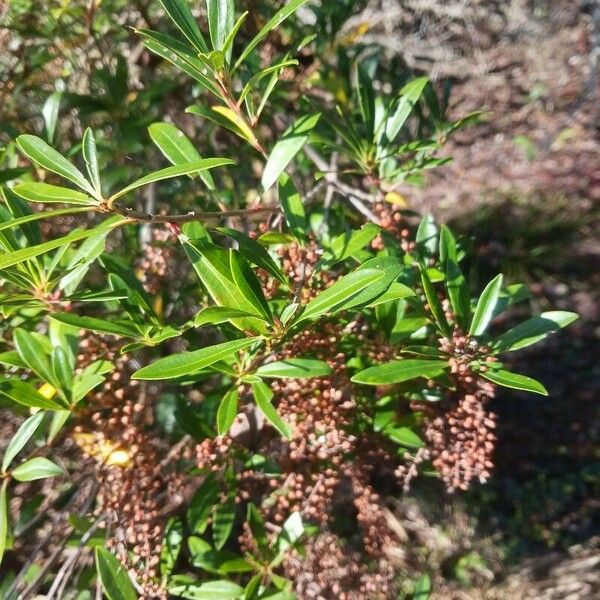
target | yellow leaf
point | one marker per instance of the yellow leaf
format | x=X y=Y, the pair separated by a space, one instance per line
x=245 y=130
x=47 y=390
x=396 y=198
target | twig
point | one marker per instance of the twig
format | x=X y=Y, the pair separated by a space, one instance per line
x=136 y=216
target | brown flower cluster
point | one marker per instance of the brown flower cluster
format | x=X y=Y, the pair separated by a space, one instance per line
x=391 y=219
x=132 y=485
x=459 y=430
x=152 y=267
x=330 y=570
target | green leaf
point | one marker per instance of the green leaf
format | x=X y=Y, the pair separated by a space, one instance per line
x=254 y=252
x=434 y=303
x=294 y=368
x=220 y=21
x=211 y=590
x=248 y=285
x=39 y=152
x=515 y=381
x=349 y=243
x=178 y=148
x=404 y=436
x=422 y=588
x=202 y=503
x=486 y=306
x=90 y=156
x=181 y=15
x=23 y=393
x=263 y=396
x=62 y=369
x=172 y=542
x=366 y=98
x=213 y=315
x=186 y=363
x=278 y=18
x=287 y=147
x=293 y=209
x=227 y=411
x=22 y=212
x=211 y=263
x=270 y=70
x=342 y=293
x=409 y=96
x=3 y=518
x=228 y=43
x=226 y=117
x=398 y=371
x=113 y=576
x=47 y=193
x=33 y=354
x=36 y=468
x=21 y=437
x=534 y=330
x=179 y=54
x=427 y=236
x=18 y=256
x=41 y=215
x=50 y=113
x=456 y=284
x=223 y=521
x=98 y=325
x=174 y=171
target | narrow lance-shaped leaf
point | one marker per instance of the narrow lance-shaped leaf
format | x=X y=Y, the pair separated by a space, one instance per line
x=48 y=193
x=113 y=576
x=287 y=147
x=486 y=305
x=409 y=96
x=227 y=411
x=21 y=437
x=294 y=368
x=534 y=330
x=220 y=21
x=90 y=156
x=435 y=306
x=36 y=468
x=398 y=371
x=50 y=113
x=38 y=151
x=23 y=254
x=3 y=518
x=293 y=209
x=248 y=285
x=178 y=148
x=278 y=18
x=174 y=171
x=180 y=13
x=41 y=215
x=515 y=381
x=263 y=396
x=178 y=365
x=342 y=293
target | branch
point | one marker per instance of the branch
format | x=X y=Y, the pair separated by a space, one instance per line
x=142 y=217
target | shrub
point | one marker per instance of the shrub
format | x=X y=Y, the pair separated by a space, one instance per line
x=222 y=398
